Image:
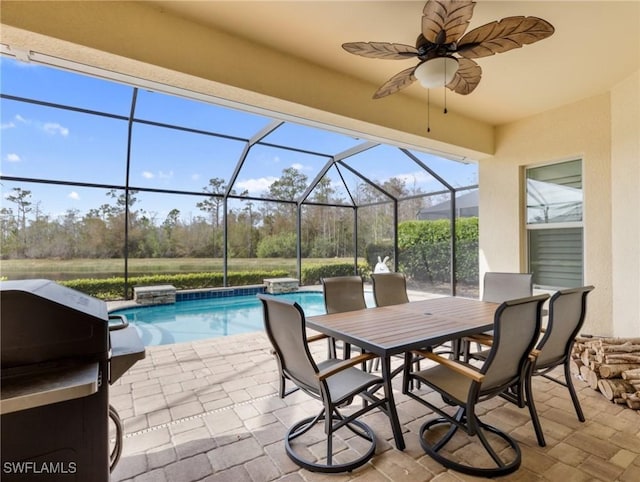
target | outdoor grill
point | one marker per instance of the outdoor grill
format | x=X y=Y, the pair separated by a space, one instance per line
x=59 y=355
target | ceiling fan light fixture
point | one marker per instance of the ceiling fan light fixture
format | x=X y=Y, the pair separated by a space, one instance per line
x=436 y=72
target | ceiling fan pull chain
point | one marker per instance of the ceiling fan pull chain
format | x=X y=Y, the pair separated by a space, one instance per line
x=445 y=88
x=428 y=110
x=445 y=100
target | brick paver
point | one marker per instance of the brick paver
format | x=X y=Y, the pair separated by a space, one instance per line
x=209 y=411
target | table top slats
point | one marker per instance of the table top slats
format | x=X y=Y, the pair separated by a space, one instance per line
x=395 y=329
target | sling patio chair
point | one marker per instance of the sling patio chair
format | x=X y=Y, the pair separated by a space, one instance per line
x=389 y=289
x=516 y=330
x=567 y=311
x=496 y=288
x=332 y=382
x=341 y=294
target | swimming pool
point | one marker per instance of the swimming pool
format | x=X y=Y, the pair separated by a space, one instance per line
x=210 y=318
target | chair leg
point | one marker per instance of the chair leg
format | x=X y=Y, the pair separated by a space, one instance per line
x=331 y=348
x=457 y=349
x=282 y=386
x=327 y=466
x=572 y=391
x=474 y=427
x=532 y=410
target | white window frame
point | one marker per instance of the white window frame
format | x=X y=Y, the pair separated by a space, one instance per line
x=529 y=227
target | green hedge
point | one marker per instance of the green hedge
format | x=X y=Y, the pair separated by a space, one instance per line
x=113 y=288
x=312 y=274
x=373 y=251
x=425 y=247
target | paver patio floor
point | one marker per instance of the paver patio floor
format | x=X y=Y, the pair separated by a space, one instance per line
x=209 y=410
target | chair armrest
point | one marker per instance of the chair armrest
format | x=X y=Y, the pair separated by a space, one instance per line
x=344 y=364
x=458 y=367
x=535 y=353
x=481 y=338
x=313 y=338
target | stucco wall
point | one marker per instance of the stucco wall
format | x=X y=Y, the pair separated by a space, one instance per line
x=625 y=203
x=581 y=130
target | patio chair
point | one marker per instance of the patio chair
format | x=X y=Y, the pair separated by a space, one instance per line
x=341 y=294
x=516 y=330
x=496 y=288
x=389 y=289
x=567 y=310
x=499 y=287
x=332 y=382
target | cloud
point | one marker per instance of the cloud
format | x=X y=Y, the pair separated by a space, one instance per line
x=256 y=186
x=13 y=157
x=302 y=167
x=147 y=175
x=165 y=175
x=195 y=177
x=418 y=177
x=51 y=128
x=8 y=125
x=55 y=128
x=73 y=195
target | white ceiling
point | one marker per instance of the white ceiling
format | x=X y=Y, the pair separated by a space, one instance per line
x=595 y=45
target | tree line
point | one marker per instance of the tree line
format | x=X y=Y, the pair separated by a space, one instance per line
x=254 y=228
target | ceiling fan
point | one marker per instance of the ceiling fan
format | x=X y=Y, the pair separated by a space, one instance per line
x=445 y=52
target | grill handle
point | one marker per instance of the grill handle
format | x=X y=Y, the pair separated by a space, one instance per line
x=118 y=326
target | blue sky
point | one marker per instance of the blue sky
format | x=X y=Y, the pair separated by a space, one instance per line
x=47 y=143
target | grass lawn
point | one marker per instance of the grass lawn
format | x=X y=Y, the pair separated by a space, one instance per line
x=102 y=268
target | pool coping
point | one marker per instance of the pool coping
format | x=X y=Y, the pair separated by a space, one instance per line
x=205 y=293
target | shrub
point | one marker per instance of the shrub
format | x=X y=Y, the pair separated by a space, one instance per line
x=425 y=248
x=113 y=288
x=278 y=246
x=312 y=274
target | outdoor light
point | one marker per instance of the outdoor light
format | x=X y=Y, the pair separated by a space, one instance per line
x=436 y=72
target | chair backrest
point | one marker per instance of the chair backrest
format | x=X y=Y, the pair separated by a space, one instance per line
x=499 y=287
x=515 y=332
x=567 y=310
x=284 y=323
x=343 y=293
x=389 y=289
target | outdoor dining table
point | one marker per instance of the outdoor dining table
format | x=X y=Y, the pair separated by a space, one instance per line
x=396 y=329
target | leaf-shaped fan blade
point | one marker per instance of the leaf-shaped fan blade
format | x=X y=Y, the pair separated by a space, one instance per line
x=445 y=21
x=501 y=36
x=467 y=77
x=381 y=50
x=397 y=82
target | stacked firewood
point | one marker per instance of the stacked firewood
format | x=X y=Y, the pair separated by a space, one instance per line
x=610 y=365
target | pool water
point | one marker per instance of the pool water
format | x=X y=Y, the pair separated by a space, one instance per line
x=210 y=318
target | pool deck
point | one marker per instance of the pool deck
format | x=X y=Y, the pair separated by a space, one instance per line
x=209 y=411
